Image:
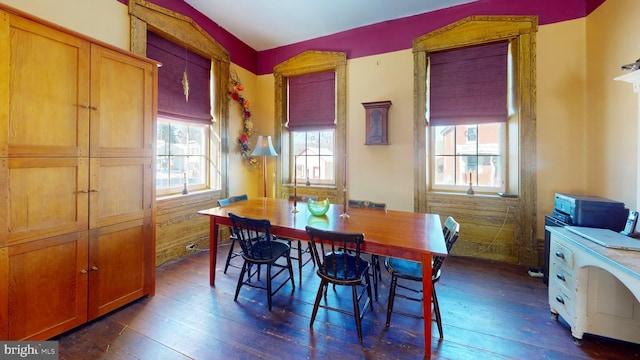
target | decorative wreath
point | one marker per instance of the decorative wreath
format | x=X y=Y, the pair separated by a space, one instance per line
x=235 y=92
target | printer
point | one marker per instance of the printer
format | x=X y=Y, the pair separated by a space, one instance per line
x=590 y=211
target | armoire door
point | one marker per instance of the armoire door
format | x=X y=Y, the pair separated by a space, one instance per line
x=121 y=105
x=44 y=90
x=119 y=268
x=47 y=286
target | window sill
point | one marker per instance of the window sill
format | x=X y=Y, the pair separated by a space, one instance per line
x=191 y=193
x=484 y=195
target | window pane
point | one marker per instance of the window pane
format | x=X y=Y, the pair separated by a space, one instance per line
x=182 y=156
x=313 y=151
x=490 y=172
x=465 y=153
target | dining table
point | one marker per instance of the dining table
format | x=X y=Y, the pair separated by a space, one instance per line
x=401 y=234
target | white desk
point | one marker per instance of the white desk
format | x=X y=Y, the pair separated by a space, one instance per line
x=596 y=290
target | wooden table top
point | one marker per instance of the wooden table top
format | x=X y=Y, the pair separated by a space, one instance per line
x=401 y=234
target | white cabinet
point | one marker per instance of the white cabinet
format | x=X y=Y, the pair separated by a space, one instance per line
x=596 y=290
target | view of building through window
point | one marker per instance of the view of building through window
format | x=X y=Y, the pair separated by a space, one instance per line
x=469 y=153
x=181 y=156
x=313 y=156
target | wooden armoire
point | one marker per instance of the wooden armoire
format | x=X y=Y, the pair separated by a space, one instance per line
x=76 y=177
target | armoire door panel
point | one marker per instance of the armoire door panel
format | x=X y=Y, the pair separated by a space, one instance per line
x=117 y=270
x=48 y=91
x=48 y=197
x=122 y=113
x=127 y=183
x=48 y=283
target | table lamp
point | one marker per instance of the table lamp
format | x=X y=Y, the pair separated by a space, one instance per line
x=264 y=148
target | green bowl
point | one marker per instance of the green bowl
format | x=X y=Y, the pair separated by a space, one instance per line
x=318 y=207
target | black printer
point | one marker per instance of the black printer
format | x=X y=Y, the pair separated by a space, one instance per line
x=590 y=211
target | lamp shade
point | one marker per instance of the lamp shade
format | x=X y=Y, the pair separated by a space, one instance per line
x=264 y=147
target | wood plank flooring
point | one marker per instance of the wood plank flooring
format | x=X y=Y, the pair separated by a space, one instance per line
x=490 y=310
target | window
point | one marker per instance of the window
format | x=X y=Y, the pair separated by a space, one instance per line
x=311 y=122
x=469 y=153
x=182 y=149
x=467 y=97
x=516 y=137
x=184 y=125
x=310 y=130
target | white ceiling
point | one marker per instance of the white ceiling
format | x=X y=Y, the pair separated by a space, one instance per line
x=267 y=24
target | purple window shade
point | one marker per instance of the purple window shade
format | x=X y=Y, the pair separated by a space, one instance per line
x=469 y=86
x=171 y=99
x=312 y=101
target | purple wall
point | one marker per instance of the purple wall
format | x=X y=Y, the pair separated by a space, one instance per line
x=382 y=37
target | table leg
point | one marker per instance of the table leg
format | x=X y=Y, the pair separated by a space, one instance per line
x=213 y=250
x=426 y=303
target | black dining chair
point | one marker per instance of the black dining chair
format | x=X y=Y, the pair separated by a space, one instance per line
x=232 y=253
x=412 y=271
x=376 y=273
x=342 y=268
x=260 y=248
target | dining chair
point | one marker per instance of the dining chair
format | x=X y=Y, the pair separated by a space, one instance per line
x=375 y=259
x=232 y=254
x=342 y=268
x=412 y=271
x=296 y=245
x=260 y=248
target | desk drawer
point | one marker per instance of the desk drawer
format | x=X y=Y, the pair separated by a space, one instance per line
x=562 y=276
x=561 y=302
x=561 y=255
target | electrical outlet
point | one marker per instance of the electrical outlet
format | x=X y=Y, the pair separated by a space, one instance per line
x=191 y=247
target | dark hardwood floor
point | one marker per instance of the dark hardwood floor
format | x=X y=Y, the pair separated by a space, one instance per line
x=489 y=310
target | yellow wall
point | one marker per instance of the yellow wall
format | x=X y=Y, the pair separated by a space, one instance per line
x=104 y=20
x=561 y=107
x=612 y=117
x=245 y=179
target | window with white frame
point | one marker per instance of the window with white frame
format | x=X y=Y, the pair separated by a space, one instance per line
x=468 y=112
x=313 y=156
x=465 y=154
x=185 y=123
x=311 y=123
x=182 y=156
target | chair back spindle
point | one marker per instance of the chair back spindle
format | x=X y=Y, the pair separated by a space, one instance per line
x=254 y=236
x=334 y=261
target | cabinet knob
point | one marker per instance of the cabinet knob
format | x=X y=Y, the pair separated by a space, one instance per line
x=560 y=254
x=83 y=271
x=560 y=276
x=560 y=299
x=94 y=268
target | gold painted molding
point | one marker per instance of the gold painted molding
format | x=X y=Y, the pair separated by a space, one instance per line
x=488 y=212
x=305 y=63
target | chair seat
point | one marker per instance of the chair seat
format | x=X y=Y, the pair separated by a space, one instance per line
x=348 y=274
x=263 y=252
x=407 y=269
x=411 y=270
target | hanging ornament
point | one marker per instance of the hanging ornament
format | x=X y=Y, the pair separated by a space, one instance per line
x=185 y=85
x=185 y=78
